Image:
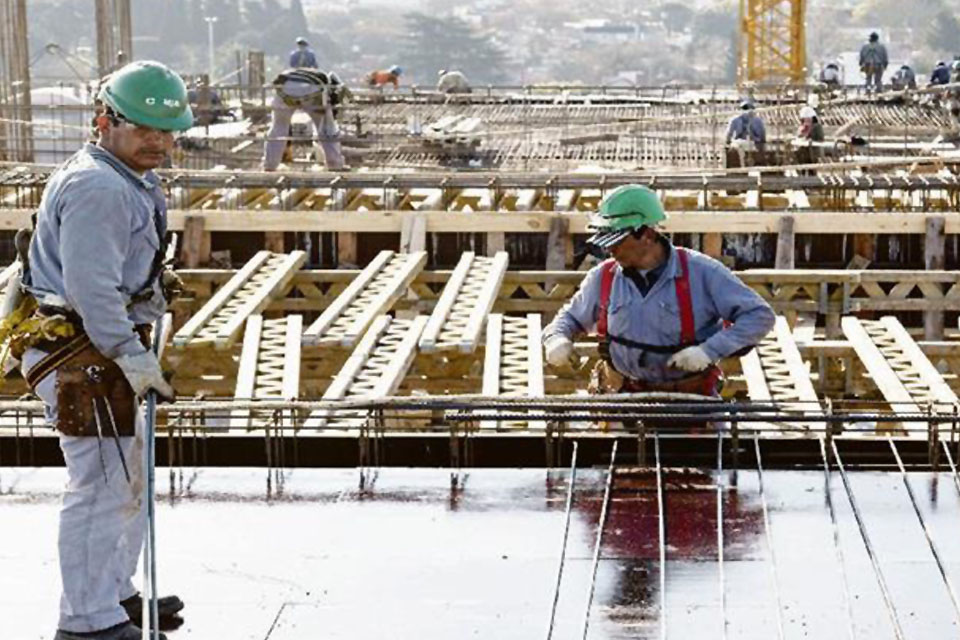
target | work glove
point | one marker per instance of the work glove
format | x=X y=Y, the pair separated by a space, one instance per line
x=691 y=359
x=143 y=372
x=559 y=350
x=171 y=285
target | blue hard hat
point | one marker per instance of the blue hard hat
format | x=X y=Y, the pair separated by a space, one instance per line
x=395 y=70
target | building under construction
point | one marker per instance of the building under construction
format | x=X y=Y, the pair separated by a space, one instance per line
x=368 y=443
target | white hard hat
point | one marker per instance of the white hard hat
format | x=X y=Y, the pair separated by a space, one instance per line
x=807 y=112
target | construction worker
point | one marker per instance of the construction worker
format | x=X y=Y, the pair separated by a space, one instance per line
x=658 y=310
x=904 y=78
x=320 y=95
x=810 y=127
x=95 y=280
x=452 y=82
x=940 y=74
x=303 y=56
x=746 y=133
x=384 y=77
x=830 y=75
x=873 y=62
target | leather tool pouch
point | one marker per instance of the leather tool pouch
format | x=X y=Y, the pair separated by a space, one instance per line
x=90 y=380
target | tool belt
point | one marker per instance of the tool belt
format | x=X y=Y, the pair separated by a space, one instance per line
x=705 y=383
x=94 y=398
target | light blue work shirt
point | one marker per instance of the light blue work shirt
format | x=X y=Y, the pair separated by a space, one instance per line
x=94 y=246
x=302 y=58
x=716 y=295
x=747 y=126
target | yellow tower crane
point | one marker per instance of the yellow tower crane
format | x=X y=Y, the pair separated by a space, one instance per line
x=772 y=47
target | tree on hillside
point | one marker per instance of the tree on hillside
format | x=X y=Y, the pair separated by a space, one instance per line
x=431 y=44
x=676 y=16
x=944 y=33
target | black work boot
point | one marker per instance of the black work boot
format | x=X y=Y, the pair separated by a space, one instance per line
x=168 y=607
x=123 y=631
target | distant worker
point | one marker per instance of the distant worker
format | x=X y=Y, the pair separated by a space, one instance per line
x=956 y=71
x=830 y=75
x=384 y=77
x=940 y=74
x=97 y=283
x=904 y=78
x=746 y=133
x=320 y=95
x=873 y=62
x=810 y=126
x=664 y=315
x=452 y=82
x=303 y=56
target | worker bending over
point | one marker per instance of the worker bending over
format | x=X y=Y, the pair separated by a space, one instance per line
x=452 y=82
x=904 y=78
x=384 y=77
x=320 y=95
x=658 y=310
x=873 y=62
x=96 y=283
x=746 y=133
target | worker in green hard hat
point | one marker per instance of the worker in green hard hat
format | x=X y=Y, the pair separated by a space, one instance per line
x=95 y=279
x=664 y=315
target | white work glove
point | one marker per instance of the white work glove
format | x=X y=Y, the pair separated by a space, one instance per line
x=559 y=350
x=691 y=359
x=143 y=372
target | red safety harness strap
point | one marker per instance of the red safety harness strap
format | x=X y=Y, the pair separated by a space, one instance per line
x=688 y=331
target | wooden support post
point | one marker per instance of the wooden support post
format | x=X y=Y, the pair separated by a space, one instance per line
x=933 y=256
x=785 y=244
x=347 y=249
x=557 y=245
x=864 y=246
x=195 y=249
x=273 y=241
x=712 y=244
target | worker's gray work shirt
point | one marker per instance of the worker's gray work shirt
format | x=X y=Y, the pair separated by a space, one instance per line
x=873 y=54
x=94 y=246
x=716 y=295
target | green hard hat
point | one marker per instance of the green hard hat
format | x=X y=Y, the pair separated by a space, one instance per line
x=149 y=94
x=624 y=210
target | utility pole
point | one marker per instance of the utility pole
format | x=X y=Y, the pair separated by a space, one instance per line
x=210 y=65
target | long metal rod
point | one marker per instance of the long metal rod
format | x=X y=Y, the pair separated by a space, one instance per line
x=884 y=591
x=927 y=531
x=662 y=535
x=768 y=532
x=566 y=535
x=841 y=562
x=723 y=586
x=596 y=547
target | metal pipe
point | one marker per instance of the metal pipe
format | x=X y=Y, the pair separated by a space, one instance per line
x=723 y=589
x=847 y=600
x=927 y=531
x=566 y=535
x=596 y=548
x=769 y=536
x=881 y=582
x=662 y=535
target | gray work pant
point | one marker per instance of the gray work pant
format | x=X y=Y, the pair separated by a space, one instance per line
x=874 y=77
x=102 y=520
x=328 y=134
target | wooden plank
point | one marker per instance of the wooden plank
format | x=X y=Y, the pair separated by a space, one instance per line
x=934 y=259
x=283 y=274
x=191 y=254
x=786 y=249
x=438 y=317
x=940 y=391
x=484 y=304
x=331 y=313
x=196 y=322
x=877 y=366
x=534 y=356
x=249 y=354
x=491 y=356
x=291 y=357
x=556 y=244
x=798 y=368
x=401 y=360
x=757 y=388
x=413 y=234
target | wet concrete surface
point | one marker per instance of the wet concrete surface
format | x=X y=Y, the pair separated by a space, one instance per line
x=409 y=557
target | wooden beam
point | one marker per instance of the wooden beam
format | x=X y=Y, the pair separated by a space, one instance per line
x=934 y=260
x=881 y=373
x=786 y=249
x=338 y=306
